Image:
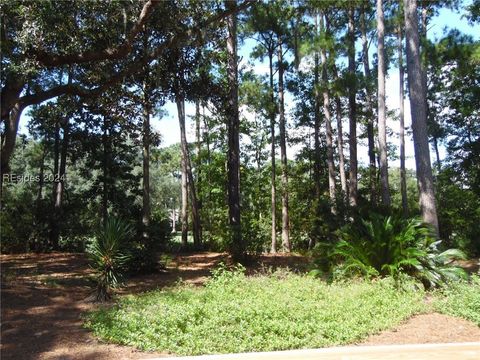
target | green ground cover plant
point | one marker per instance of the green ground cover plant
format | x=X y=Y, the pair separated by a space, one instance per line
x=235 y=313
x=460 y=299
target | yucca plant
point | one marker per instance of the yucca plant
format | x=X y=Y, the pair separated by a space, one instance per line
x=108 y=255
x=392 y=246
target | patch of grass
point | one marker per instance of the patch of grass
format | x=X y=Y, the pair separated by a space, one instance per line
x=460 y=299
x=235 y=313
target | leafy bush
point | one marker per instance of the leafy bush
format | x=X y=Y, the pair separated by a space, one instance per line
x=391 y=246
x=461 y=299
x=236 y=313
x=109 y=256
x=144 y=250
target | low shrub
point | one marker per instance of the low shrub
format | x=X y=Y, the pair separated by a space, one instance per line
x=389 y=246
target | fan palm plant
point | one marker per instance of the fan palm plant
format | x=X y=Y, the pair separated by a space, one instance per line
x=108 y=255
x=391 y=246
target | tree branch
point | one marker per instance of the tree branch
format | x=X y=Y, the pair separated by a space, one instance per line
x=52 y=60
x=133 y=68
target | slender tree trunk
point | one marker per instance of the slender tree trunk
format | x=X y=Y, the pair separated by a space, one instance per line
x=208 y=158
x=370 y=116
x=283 y=153
x=352 y=108
x=41 y=174
x=419 y=116
x=317 y=121
x=174 y=218
x=382 y=113
x=146 y=164
x=184 y=209
x=106 y=167
x=437 y=152
x=53 y=234
x=403 y=174
x=198 y=163
x=237 y=243
x=60 y=181
x=273 y=208
x=341 y=158
x=328 y=124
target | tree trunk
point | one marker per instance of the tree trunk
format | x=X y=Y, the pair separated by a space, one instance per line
x=382 y=116
x=233 y=161
x=273 y=208
x=352 y=108
x=437 y=153
x=328 y=125
x=53 y=234
x=417 y=93
x=370 y=116
x=403 y=174
x=184 y=163
x=41 y=174
x=11 y=111
x=423 y=49
x=341 y=158
x=146 y=166
x=105 y=165
x=317 y=121
x=283 y=153
x=198 y=163
x=60 y=180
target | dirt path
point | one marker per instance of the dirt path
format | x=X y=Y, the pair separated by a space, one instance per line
x=43 y=299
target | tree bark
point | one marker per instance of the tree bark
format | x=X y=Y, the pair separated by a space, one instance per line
x=183 y=139
x=146 y=163
x=273 y=208
x=283 y=153
x=60 y=180
x=403 y=174
x=198 y=163
x=233 y=125
x=41 y=174
x=382 y=116
x=8 y=143
x=370 y=116
x=341 y=158
x=317 y=121
x=419 y=117
x=352 y=108
x=328 y=124
x=53 y=234
x=106 y=167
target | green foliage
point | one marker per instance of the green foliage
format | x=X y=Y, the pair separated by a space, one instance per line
x=143 y=250
x=108 y=256
x=391 y=246
x=234 y=313
x=460 y=299
x=458 y=212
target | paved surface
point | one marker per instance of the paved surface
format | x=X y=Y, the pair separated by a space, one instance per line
x=458 y=351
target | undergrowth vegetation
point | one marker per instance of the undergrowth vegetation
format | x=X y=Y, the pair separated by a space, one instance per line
x=235 y=313
x=380 y=245
x=460 y=299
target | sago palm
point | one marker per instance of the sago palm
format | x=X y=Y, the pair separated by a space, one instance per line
x=389 y=246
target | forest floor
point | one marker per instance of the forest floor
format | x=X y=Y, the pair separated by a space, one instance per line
x=44 y=296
